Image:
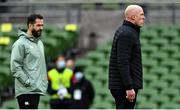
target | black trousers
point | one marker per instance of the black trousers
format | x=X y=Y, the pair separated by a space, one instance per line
x=120 y=99
x=28 y=101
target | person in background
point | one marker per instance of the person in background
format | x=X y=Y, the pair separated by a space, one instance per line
x=125 y=66
x=59 y=85
x=28 y=65
x=70 y=63
x=82 y=90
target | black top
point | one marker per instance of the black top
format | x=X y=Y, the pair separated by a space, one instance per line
x=125 y=66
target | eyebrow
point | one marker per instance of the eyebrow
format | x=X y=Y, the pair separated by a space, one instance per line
x=40 y=24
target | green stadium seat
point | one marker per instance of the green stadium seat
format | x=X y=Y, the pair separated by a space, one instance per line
x=149 y=34
x=144 y=56
x=159 y=56
x=103 y=63
x=170 y=92
x=159 y=28
x=44 y=102
x=4 y=55
x=49 y=29
x=176 y=71
x=176 y=99
x=170 y=63
x=158 y=85
x=170 y=49
x=149 y=63
x=169 y=78
x=170 y=105
x=159 y=41
x=159 y=71
x=159 y=99
x=84 y=63
x=149 y=49
x=148 y=92
x=102 y=77
x=109 y=98
x=93 y=71
x=105 y=49
x=147 y=105
x=141 y=98
x=10 y=104
x=169 y=34
x=148 y=78
x=176 y=41
x=4 y=70
x=175 y=84
x=95 y=56
x=176 y=56
x=143 y=41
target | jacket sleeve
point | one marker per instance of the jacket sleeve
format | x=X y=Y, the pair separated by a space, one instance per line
x=17 y=56
x=124 y=47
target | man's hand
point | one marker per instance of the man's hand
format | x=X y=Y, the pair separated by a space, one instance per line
x=130 y=95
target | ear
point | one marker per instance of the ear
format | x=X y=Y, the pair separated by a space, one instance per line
x=30 y=26
x=133 y=17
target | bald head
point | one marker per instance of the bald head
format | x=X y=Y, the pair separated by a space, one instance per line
x=134 y=14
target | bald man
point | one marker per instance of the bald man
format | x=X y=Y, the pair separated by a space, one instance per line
x=125 y=65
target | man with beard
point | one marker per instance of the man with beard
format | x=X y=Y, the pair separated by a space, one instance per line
x=28 y=65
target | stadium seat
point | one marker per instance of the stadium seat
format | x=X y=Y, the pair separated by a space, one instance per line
x=143 y=41
x=159 y=41
x=106 y=48
x=176 y=99
x=159 y=71
x=149 y=49
x=170 y=92
x=159 y=99
x=44 y=101
x=169 y=34
x=149 y=63
x=158 y=85
x=141 y=98
x=148 y=78
x=176 y=41
x=10 y=104
x=103 y=63
x=149 y=34
x=170 y=49
x=169 y=105
x=176 y=56
x=93 y=71
x=169 y=78
x=159 y=56
x=148 y=92
x=95 y=56
x=176 y=71
x=147 y=105
x=84 y=62
x=175 y=84
x=170 y=63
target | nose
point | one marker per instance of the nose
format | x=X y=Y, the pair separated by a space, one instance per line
x=41 y=27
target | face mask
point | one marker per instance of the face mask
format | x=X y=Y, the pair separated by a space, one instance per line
x=79 y=76
x=61 y=64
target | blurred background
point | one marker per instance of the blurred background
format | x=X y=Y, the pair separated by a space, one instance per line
x=83 y=30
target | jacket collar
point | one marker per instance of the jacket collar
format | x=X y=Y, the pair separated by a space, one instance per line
x=24 y=33
x=136 y=27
